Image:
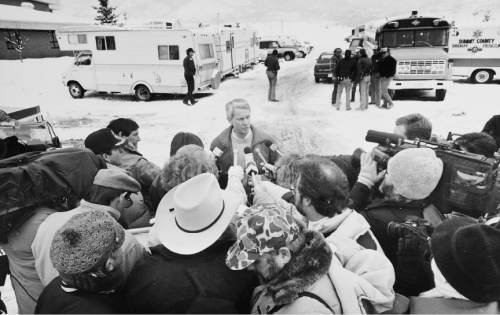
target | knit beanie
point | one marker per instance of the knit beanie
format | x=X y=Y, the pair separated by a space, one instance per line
x=468 y=255
x=84 y=242
x=415 y=172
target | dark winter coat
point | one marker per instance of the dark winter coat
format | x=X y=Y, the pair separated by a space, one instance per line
x=375 y=66
x=156 y=193
x=54 y=300
x=363 y=68
x=334 y=62
x=224 y=143
x=387 y=67
x=416 y=276
x=189 y=67
x=346 y=68
x=492 y=127
x=272 y=63
x=165 y=282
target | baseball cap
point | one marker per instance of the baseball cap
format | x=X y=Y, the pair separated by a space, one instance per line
x=261 y=229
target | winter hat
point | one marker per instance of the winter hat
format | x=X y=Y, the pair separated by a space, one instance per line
x=468 y=255
x=261 y=229
x=184 y=138
x=117 y=179
x=415 y=172
x=125 y=126
x=103 y=141
x=84 y=242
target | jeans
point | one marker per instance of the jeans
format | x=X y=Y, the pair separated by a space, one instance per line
x=384 y=84
x=375 y=88
x=190 y=83
x=273 y=79
x=363 y=92
x=346 y=85
x=353 y=94
x=335 y=90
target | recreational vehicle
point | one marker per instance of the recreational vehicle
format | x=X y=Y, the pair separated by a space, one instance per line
x=140 y=61
x=475 y=51
x=236 y=48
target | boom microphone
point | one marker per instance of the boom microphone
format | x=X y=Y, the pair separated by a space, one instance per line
x=384 y=138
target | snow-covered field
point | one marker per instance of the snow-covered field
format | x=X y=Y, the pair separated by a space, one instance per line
x=303 y=120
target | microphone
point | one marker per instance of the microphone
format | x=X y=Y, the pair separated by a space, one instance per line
x=272 y=146
x=250 y=165
x=217 y=152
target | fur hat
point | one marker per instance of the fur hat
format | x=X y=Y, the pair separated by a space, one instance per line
x=84 y=242
x=415 y=172
x=468 y=255
x=117 y=179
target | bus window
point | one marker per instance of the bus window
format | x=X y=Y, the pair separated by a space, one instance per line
x=397 y=39
x=431 y=38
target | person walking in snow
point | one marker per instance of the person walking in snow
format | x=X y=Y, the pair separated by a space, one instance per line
x=363 y=73
x=273 y=65
x=189 y=72
x=337 y=57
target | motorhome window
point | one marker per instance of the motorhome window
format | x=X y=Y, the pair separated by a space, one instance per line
x=105 y=42
x=72 y=39
x=168 y=52
x=206 y=51
x=398 y=39
x=431 y=38
x=82 y=38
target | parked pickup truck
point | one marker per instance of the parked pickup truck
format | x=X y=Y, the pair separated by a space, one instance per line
x=288 y=53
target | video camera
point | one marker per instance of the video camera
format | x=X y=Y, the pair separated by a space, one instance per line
x=467 y=184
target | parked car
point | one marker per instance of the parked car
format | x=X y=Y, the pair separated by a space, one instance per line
x=323 y=67
x=286 y=52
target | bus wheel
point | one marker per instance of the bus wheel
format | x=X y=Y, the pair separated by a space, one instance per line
x=440 y=94
x=142 y=93
x=76 y=90
x=482 y=76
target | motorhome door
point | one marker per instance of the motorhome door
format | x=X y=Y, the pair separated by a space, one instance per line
x=206 y=63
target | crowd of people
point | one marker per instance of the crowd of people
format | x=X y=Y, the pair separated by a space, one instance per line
x=248 y=227
x=372 y=75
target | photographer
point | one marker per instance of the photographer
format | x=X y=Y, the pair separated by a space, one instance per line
x=410 y=178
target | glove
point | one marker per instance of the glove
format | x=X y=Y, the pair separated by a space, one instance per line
x=236 y=171
x=368 y=172
x=251 y=168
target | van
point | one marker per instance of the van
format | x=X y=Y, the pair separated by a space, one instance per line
x=475 y=51
x=137 y=61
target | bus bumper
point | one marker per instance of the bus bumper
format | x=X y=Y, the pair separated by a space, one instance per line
x=420 y=84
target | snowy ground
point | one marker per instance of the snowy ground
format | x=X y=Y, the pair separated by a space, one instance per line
x=303 y=120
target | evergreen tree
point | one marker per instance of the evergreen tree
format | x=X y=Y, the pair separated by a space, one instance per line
x=105 y=13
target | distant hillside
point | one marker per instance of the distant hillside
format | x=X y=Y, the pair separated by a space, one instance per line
x=314 y=11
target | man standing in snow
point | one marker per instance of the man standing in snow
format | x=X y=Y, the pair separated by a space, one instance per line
x=273 y=65
x=189 y=72
x=387 y=68
x=337 y=56
x=345 y=73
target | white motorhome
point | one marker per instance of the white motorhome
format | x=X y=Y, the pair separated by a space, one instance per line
x=140 y=61
x=475 y=51
x=236 y=48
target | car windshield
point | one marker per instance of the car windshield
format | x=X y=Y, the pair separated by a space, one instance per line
x=325 y=57
x=355 y=43
x=415 y=38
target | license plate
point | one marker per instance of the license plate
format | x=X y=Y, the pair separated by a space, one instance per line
x=329 y=75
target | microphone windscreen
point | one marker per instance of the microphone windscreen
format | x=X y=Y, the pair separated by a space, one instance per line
x=247 y=150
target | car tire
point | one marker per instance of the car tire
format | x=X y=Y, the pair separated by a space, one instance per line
x=481 y=76
x=142 y=93
x=76 y=90
x=316 y=79
x=440 y=94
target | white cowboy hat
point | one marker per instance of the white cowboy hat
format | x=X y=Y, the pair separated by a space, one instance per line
x=194 y=214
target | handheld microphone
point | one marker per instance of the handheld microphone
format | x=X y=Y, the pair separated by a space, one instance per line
x=250 y=165
x=272 y=146
x=261 y=156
